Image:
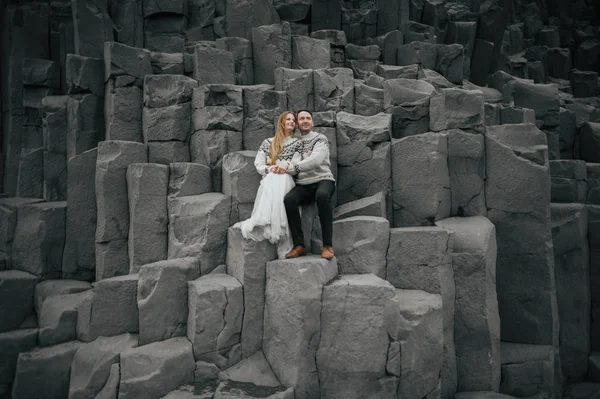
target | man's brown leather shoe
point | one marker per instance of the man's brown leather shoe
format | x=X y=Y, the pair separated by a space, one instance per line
x=327 y=252
x=297 y=251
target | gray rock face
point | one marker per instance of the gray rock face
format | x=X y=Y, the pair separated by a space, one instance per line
x=520 y=211
x=368 y=100
x=186 y=178
x=111 y=388
x=456 y=108
x=212 y=65
x=590 y=139
x=49 y=288
x=420 y=258
x=271 y=49
x=92 y=26
x=11 y=344
x=58 y=319
x=111 y=187
x=84 y=75
x=571 y=268
x=8 y=224
x=246 y=261
x=423 y=53
x=350 y=361
x=299 y=86
x=292 y=319
x=31 y=174
x=421 y=184
x=361 y=244
x=79 y=260
x=112 y=258
x=198 y=228
x=449 y=62
x=17 y=298
x=167 y=152
x=254 y=369
x=218 y=106
x=569 y=181
x=166 y=63
x=165 y=90
x=242 y=57
x=397 y=72
x=147 y=193
x=527 y=370
x=166 y=365
x=334 y=90
x=85 y=123
x=44 y=372
x=216 y=307
x=408 y=102
x=123 y=60
x=39 y=239
x=594 y=236
x=235 y=389
x=162 y=298
x=92 y=364
x=240 y=181
x=96 y=314
x=123 y=112
x=336 y=39
x=466 y=168
x=375 y=205
x=543 y=99
x=310 y=53
x=476 y=319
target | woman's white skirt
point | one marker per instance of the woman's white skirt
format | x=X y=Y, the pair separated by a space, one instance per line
x=269 y=220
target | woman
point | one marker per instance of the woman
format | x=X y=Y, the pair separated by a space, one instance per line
x=273 y=162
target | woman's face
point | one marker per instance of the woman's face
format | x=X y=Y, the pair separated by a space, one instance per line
x=290 y=123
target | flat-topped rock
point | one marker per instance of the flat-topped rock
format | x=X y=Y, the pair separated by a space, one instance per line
x=17 y=298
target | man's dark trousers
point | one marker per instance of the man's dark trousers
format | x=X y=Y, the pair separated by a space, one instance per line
x=320 y=192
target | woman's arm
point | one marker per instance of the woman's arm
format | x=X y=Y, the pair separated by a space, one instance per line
x=260 y=163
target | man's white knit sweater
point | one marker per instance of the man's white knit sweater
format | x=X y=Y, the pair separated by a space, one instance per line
x=315 y=164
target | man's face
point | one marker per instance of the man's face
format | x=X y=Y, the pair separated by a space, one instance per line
x=305 y=122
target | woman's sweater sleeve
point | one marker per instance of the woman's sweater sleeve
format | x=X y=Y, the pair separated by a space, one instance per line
x=260 y=163
x=296 y=158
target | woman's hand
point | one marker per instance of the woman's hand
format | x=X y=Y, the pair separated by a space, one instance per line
x=279 y=169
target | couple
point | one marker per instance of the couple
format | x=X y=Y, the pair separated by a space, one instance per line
x=280 y=195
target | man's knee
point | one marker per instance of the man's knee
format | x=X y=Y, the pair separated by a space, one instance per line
x=290 y=201
x=323 y=198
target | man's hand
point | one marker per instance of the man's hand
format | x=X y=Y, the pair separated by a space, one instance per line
x=279 y=169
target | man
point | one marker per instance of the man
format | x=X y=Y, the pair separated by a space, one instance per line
x=314 y=182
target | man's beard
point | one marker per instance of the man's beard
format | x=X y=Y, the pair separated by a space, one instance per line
x=303 y=131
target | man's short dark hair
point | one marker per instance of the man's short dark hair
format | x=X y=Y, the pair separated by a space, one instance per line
x=303 y=110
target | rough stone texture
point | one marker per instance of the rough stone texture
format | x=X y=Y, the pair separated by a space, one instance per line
x=398 y=72
x=336 y=39
x=123 y=112
x=49 y=288
x=111 y=388
x=166 y=123
x=334 y=90
x=423 y=53
x=97 y=316
x=198 y=228
x=128 y=61
x=8 y=223
x=298 y=85
x=216 y=307
x=92 y=26
x=293 y=297
x=235 y=389
x=78 y=259
x=166 y=63
x=212 y=65
x=262 y=107
x=11 y=344
x=568 y=130
x=449 y=62
x=420 y=258
x=85 y=123
x=16 y=296
x=517 y=193
x=363 y=155
x=186 y=178
x=408 y=102
x=572 y=269
x=361 y=244
x=240 y=182
x=584 y=83
x=147 y=193
x=543 y=99
x=255 y=369
x=271 y=49
x=54 y=129
x=162 y=298
x=167 y=152
x=569 y=181
x=31 y=174
x=594 y=239
x=590 y=141
x=92 y=364
x=594 y=367
x=368 y=100
x=151 y=371
x=242 y=57
x=111 y=187
x=44 y=372
x=351 y=360
x=84 y=75
x=39 y=239
x=378 y=205
x=165 y=90
x=310 y=53
x=208 y=147
x=57 y=319
x=112 y=258
x=466 y=168
x=581 y=390
x=456 y=109
x=218 y=106
x=527 y=370
x=246 y=261
x=481 y=395
x=420 y=179
x=476 y=319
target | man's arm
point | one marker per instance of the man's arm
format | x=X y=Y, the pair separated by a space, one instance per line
x=319 y=153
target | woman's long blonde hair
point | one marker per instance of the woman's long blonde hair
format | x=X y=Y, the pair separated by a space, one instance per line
x=280 y=135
